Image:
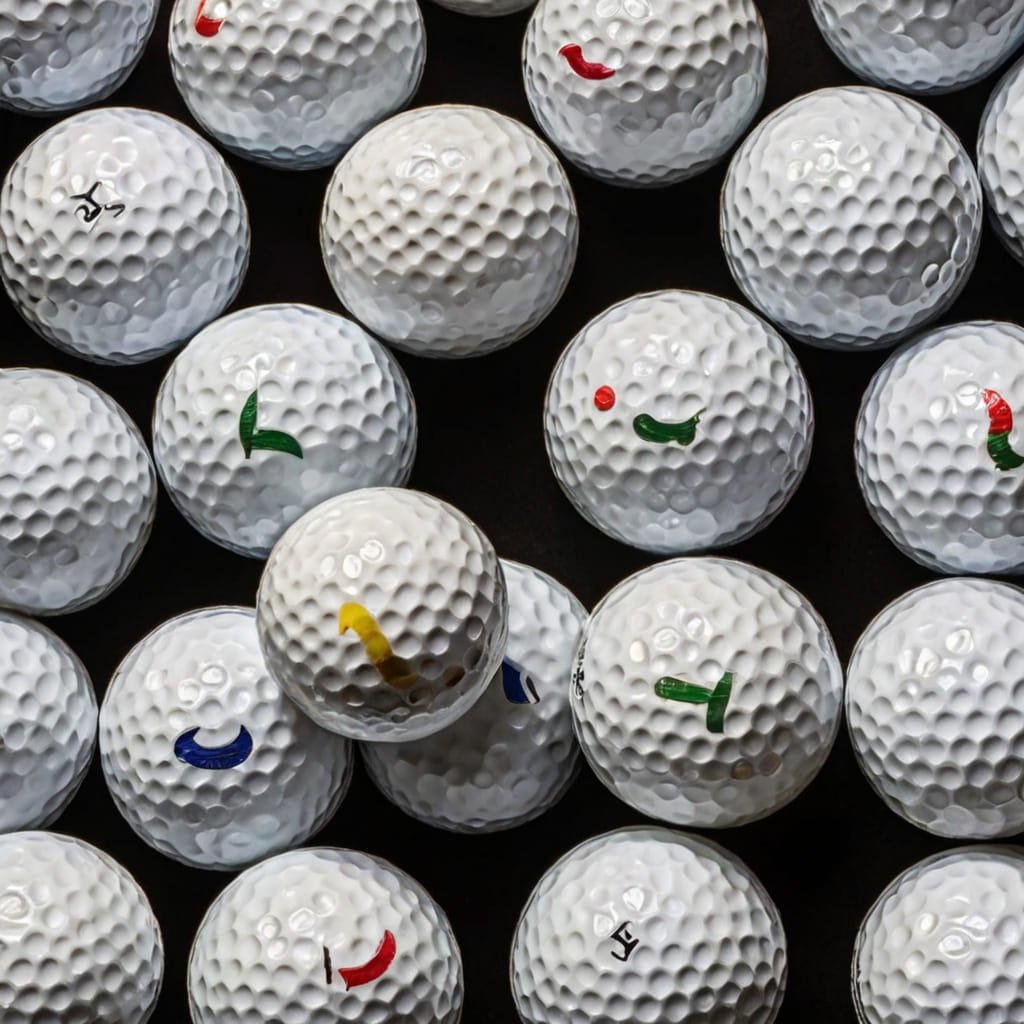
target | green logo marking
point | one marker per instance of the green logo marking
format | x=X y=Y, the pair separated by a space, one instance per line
x=254 y=439
x=1000 y=423
x=647 y=428
x=717 y=699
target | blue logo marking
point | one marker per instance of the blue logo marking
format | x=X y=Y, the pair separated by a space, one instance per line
x=213 y=758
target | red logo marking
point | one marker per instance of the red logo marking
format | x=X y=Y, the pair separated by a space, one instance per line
x=604 y=397
x=207 y=26
x=584 y=68
x=363 y=974
x=1000 y=415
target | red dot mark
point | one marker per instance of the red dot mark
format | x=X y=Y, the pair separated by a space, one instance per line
x=363 y=974
x=573 y=54
x=604 y=397
x=206 y=26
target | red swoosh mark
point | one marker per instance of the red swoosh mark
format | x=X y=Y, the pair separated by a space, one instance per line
x=207 y=26
x=363 y=974
x=574 y=55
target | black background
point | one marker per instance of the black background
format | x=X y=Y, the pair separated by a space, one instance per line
x=825 y=857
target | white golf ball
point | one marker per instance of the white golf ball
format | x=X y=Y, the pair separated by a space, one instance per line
x=1000 y=152
x=677 y=421
x=647 y=924
x=939 y=457
x=79 y=939
x=921 y=46
x=644 y=92
x=122 y=232
x=77 y=492
x=59 y=54
x=707 y=692
x=513 y=755
x=942 y=943
x=325 y=935
x=273 y=409
x=204 y=755
x=295 y=82
x=383 y=614
x=850 y=217
x=449 y=231
x=47 y=724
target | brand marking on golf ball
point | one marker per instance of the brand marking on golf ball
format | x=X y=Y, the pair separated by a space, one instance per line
x=624 y=937
x=254 y=439
x=230 y=755
x=90 y=209
x=647 y=428
x=517 y=684
x=592 y=71
x=205 y=25
x=328 y=968
x=717 y=699
x=1000 y=423
x=363 y=974
x=393 y=670
x=604 y=397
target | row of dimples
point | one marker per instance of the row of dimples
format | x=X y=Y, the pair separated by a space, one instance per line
x=1000 y=159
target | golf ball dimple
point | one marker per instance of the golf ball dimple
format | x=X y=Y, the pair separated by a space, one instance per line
x=1000 y=153
x=327 y=935
x=707 y=692
x=122 y=232
x=513 y=755
x=940 y=459
x=644 y=92
x=71 y=456
x=850 y=217
x=294 y=83
x=648 y=924
x=481 y=231
x=677 y=421
x=383 y=614
x=273 y=409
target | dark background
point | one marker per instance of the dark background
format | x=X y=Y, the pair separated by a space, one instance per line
x=825 y=857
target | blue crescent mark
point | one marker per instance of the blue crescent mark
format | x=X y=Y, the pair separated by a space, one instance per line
x=213 y=758
x=518 y=686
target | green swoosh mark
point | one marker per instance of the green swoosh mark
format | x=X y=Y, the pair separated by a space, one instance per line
x=1001 y=452
x=717 y=699
x=254 y=439
x=649 y=429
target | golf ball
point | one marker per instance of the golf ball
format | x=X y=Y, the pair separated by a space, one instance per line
x=921 y=47
x=80 y=942
x=77 y=492
x=121 y=233
x=512 y=756
x=644 y=92
x=647 y=924
x=1000 y=148
x=295 y=82
x=383 y=614
x=204 y=756
x=273 y=409
x=59 y=54
x=449 y=231
x=850 y=217
x=942 y=943
x=938 y=457
x=707 y=692
x=325 y=935
x=47 y=721
x=677 y=421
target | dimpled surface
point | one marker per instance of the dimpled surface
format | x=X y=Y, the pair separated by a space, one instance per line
x=1000 y=157
x=675 y=355
x=687 y=78
x=60 y=54
x=204 y=671
x=47 y=722
x=701 y=621
x=303 y=917
x=78 y=940
x=942 y=943
x=850 y=216
x=319 y=378
x=77 y=492
x=449 y=231
x=295 y=82
x=921 y=46
x=513 y=755
x=121 y=233
x=383 y=614
x=923 y=449
x=649 y=926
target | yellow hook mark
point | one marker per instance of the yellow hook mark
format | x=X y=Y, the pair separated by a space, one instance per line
x=393 y=670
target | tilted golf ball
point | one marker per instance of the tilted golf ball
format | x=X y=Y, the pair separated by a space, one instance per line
x=942 y=943
x=707 y=692
x=77 y=492
x=512 y=756
x=122 y=232
x=850 y=217
x=644 y=92
x=383 y=614
x=59 y=54
x=203 y=754
x=327 y=935
x=449 y=231
x=677 y=421
x=647 y=924
x=273 y=409
x=78 y=939
x=939 y=457
x=47 y=724
x=294 y=83
x=1000 y=148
